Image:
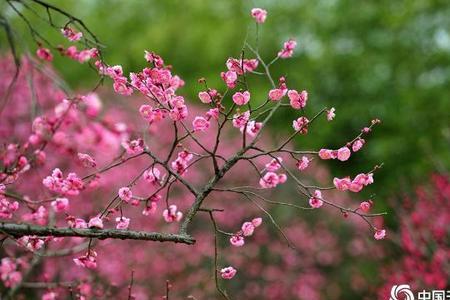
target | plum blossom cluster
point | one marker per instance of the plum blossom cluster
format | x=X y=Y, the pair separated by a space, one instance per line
x=355 y=185
x=7 y=208
x=237 y=67
x=32 y=243
x=288 y=49
x=72 y=52
x=271 y=179
x=247 y=229
x=180 y=164
x=71 y=185
x=89 y=260
x=9 y=271
x=71 y=34
x=417 y=232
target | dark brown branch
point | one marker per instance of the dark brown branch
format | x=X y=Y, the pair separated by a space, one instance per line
x=19 y=230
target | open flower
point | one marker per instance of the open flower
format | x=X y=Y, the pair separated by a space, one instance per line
x=241 y=98
x=200 y=124
x=172 y=214
x=379 y=234
x=125 y=194
x=237 y=240
x=228 y=272
x=259 y=15
x=316 y=200
x=95 y=222
x=122 y=222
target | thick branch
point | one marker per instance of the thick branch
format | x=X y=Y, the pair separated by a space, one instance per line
x=18 y=230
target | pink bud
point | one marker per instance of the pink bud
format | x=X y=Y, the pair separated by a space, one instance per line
x=365 y=206
x=257 y=222
x=44 y=54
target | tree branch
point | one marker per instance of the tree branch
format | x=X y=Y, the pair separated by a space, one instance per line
x=19 y=230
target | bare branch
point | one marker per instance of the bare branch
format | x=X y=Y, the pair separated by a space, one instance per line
x=19 y=230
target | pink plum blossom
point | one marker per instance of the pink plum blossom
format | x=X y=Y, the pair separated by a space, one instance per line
x=241 y=98
x=87 y=160
x=171 y=214
x=32 y=243
x=60 y=204
x=125 y=194
x=241 y=66
x=259 y=15
x=237 y=240
x=331 y=114
x=230 y=78
x=239 y=120
x=316 y=200
x=122 y=223
x=50 y=296
x=228 y=272
x=200 y=124
x=303 y=163
x=342 y=184
x=204 y=97
x=365 y=206
x=133 y=147
x=269 y=180
x=152 y=175
x=288 y=49
x=248 y=228
x=343 y=154
x=297 y=100
x=88 y=261
x=257 y=222
x=358 y=144
x=44 y=54
x=301 y=125
x=95 y=222
x=379 y=234
x=213 y=113
x=274 y=164
x=252 y=128
x=327 y=154
x=150 y=208
x=276 y=94
x=71 y=34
